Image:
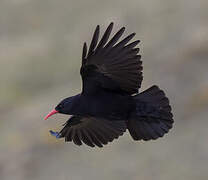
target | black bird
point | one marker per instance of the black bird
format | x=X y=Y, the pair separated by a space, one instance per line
x=110 y=101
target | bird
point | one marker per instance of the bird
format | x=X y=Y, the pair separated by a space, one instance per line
x=110 y=101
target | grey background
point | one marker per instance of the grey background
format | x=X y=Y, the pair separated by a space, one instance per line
x=40 y=56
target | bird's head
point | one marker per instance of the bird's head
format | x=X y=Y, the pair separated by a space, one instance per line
x=64 y=107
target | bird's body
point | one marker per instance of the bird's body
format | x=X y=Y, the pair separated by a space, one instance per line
x=110 y=102
x=105 y=104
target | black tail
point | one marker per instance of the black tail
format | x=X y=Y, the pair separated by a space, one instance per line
x=152 y=118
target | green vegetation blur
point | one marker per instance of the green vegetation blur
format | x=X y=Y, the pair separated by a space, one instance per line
x=40 y=55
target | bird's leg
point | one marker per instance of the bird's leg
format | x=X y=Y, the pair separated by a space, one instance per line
x=56 y=134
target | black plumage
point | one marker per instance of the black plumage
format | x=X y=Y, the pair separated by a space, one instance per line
x=110 y=101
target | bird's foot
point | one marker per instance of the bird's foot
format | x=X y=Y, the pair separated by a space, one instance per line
x=56 y=134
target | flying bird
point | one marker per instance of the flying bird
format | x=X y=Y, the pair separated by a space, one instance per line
x=110 y=101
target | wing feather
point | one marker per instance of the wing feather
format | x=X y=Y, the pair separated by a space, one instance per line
x=84 y=53
x=94 y=40
x=114 y=39
x=92 y=131
x=105 y=37
x=113 y=60
x=85 y=137
x=123 y=42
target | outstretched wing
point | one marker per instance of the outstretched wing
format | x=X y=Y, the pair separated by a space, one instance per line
x=111 y=65
x=92 y=131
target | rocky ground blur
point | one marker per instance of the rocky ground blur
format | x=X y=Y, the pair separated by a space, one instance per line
x=40 y=50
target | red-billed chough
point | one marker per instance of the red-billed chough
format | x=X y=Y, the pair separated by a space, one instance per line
x=110 y=101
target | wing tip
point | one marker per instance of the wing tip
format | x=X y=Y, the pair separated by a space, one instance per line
x=123 y=28
x=84 y=52
x=111 y=23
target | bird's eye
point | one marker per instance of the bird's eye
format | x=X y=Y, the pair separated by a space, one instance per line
x=60 y=106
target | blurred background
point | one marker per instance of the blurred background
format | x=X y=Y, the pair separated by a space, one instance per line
x=40 y=55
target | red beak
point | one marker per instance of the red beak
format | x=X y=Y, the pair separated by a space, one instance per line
x=50 y=114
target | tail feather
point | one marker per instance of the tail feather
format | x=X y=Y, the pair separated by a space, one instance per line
x=152 y=118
